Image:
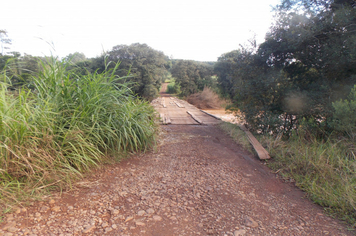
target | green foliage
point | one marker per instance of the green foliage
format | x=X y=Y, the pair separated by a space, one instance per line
x=324 y=169
x=74 y=58
x=66 y=125
x=256 y=91
x=192 y=76
x=143 y=67
x=147 y=67
x=150 y=92
x=344 y=116
x=5 y=41
x=19 y=69
x=173 y=88
x=306 y=63
x=236 y=134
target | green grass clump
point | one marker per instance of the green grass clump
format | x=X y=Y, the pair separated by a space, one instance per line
x=173 y=87
x=66 y=124
x=236 y=134
x=325 y=170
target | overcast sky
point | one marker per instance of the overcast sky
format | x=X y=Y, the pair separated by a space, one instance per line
x=184 y=29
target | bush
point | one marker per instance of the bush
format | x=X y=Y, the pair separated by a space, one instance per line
x=173 y=88
x=324 y=169
x=66 y=125
x=344 y=116
x=206 y=99
x=150 y=92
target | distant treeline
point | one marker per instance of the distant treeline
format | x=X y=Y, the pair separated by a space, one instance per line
x=141 y=66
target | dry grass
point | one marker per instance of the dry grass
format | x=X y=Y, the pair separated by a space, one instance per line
x=207 y=99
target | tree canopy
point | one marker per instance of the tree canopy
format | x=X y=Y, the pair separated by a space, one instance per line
x=192 y=76
x=147 y=67
x=308 y=61
x=5 y=41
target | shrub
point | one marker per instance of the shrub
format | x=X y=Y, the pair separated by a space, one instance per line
x=344 y=115
x=206 y=99
x=173 y=88
x=66 y=125
x=324 y=169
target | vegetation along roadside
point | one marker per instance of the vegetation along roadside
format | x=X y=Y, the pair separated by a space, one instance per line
x=296 y=91
x=62 y=124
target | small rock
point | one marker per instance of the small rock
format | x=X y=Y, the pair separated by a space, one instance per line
x=139 y=223
x=88 y=229
x=128 y=218
x=44 y=209
x=150 y=211
x=157 y=218
x=239 y=232
x=249 y=222
x=141 y=213
x=56 y=209
x=114 y=226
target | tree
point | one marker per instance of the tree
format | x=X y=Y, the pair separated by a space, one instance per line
x=318 y=36
x=308 y=61
x=192 y=76
x=4 y=40
x=74 y=58
x=145 y=66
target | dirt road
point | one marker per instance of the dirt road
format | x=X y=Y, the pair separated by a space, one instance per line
x=196 y=182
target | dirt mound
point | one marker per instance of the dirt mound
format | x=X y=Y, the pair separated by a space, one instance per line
x=207 y=99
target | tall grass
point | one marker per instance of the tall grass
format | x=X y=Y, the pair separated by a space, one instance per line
x=324 y=169
x=173 y=87
x=66 y=124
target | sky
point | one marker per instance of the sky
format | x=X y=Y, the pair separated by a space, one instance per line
x=199 y=30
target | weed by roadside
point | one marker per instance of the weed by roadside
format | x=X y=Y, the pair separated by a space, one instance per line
x=67 y=124
x=324 y=169
x=173 y=87
x=238 y=135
